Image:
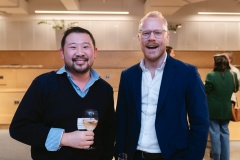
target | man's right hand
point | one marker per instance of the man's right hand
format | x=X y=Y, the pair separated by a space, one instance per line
x=78 y=139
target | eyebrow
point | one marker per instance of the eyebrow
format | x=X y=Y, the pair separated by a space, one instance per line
x=154 y=30
x=74 y=43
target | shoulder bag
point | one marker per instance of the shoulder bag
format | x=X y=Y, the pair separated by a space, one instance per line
x=235 y=109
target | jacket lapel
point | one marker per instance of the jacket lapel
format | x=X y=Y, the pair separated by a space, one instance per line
x=169 y=73
x=137 y=88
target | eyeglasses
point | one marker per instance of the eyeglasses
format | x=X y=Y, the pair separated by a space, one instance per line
x=157 y=33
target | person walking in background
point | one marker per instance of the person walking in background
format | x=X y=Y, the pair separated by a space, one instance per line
x=219 y=86
x=154 y=99
x=46 y=118
x=170 y=51
x=233 y=69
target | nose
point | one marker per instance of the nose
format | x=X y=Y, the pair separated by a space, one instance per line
x=80 y=50
x=152 y=36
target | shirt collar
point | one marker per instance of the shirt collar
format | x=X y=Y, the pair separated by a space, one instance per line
x=94 y=75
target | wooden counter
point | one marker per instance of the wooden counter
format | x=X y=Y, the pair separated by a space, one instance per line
x=10 y=99
x=19 y=68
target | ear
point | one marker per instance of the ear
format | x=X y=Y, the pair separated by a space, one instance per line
x=139 y=38
x=95 y=52
x=61 y=53
x=167 y=38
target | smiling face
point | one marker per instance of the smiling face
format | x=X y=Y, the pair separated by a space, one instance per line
x=78 y=53
x=154 y=45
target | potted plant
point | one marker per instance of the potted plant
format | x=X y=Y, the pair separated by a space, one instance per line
x=58 y=24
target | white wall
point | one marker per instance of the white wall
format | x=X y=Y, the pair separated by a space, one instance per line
x=117 y=33
x=28 y=35
x=207 y=36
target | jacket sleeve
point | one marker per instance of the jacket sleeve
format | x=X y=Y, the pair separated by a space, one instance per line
x=198 y=117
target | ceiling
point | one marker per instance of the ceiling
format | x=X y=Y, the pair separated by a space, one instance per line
x=28 y=6
x=174 y=10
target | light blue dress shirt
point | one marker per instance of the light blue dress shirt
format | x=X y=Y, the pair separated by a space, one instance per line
x=55 y=134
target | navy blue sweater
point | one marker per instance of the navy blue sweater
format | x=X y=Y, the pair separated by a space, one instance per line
x=52 y=102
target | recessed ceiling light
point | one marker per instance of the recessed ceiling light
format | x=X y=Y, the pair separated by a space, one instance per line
x=219 y=13
x=79 y=12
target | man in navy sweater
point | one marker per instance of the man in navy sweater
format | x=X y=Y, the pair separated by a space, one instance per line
x=48 y=114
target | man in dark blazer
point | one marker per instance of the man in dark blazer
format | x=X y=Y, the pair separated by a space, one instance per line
x=162 y=108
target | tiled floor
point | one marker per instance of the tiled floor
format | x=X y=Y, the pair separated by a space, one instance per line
x=234 y=151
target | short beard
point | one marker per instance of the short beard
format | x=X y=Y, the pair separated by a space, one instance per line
x=73 y=69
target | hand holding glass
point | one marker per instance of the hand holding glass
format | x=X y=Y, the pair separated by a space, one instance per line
x=90 y=120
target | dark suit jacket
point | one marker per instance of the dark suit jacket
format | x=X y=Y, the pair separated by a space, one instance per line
x=181 y=94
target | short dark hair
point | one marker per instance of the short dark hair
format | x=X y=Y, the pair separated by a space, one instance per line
x=168 y=49
x=76 y=30
x=221 y=63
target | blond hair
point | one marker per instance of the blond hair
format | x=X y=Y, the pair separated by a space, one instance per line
x=154 y=14
x=230 y=56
